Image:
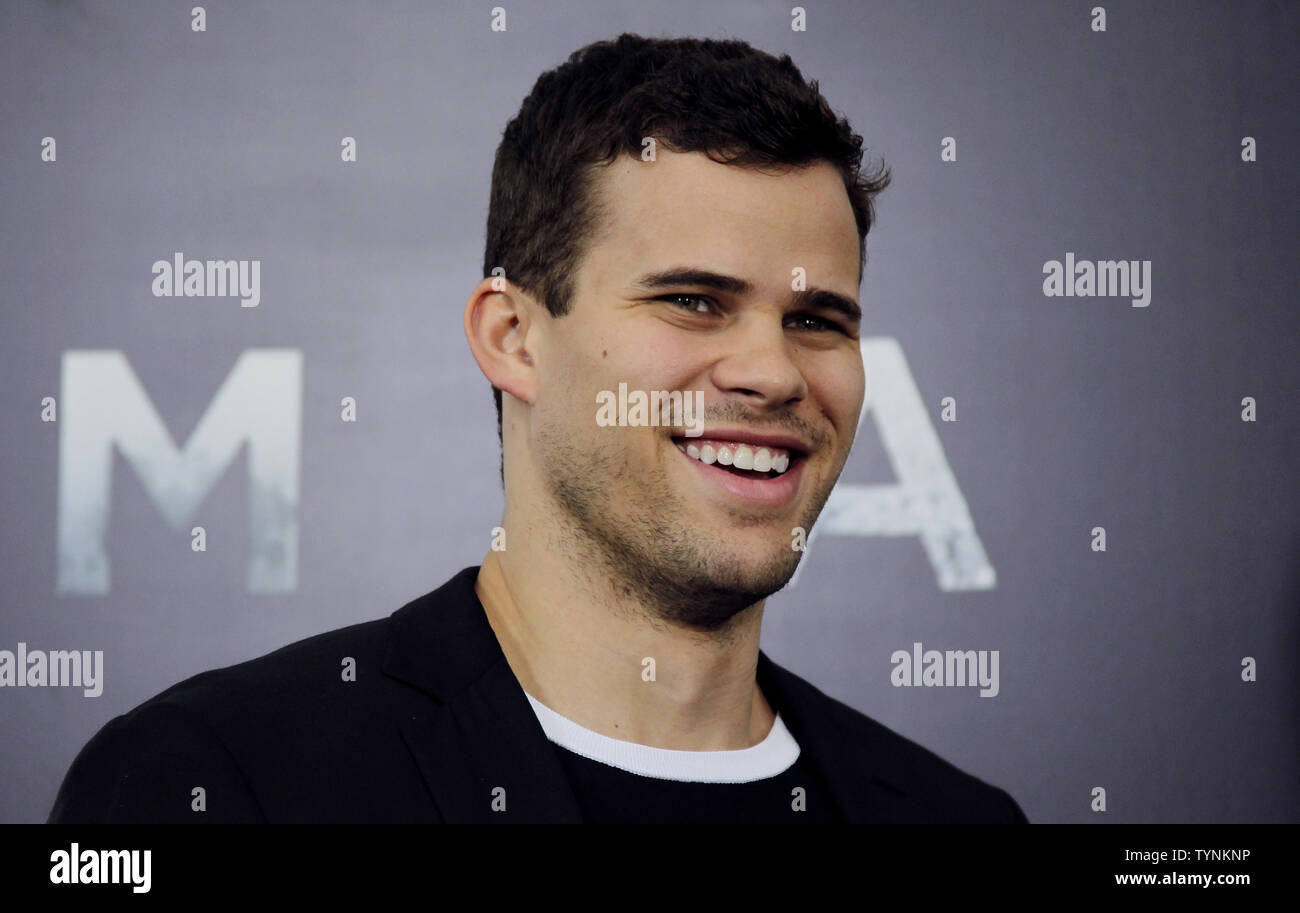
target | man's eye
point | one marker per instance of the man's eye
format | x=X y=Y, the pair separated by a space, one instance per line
x=817 y=324
x=693 y=308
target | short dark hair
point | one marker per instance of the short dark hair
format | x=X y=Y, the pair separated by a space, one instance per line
x=737 y=104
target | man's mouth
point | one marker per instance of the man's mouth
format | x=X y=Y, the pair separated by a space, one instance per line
x=749 y=461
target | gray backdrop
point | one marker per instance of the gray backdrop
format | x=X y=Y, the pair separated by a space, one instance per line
x=1119 y=669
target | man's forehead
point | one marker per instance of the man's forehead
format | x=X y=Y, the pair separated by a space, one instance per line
x=684 y=207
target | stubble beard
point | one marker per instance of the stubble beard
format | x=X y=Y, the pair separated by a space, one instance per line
x=650 y=556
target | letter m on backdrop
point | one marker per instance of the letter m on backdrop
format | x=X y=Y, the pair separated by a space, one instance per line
x=103 y=404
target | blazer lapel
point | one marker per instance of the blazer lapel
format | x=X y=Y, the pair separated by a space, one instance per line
x=479 y=748
x=855 y=772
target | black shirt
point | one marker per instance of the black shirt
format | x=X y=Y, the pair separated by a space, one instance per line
x=608 y=795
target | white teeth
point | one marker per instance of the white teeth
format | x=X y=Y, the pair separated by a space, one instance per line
x=744 y=458
x=741 y=456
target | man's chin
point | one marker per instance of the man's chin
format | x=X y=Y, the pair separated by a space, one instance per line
x=709 y=599
x=765 y=576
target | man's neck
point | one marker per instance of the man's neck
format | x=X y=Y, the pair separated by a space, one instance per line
x=615 y=669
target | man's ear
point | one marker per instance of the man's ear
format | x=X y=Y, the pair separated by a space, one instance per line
x=497 y=316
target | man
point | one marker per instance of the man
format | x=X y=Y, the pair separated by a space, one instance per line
x=666 y=215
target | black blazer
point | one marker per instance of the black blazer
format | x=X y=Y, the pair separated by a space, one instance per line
x=434 y=721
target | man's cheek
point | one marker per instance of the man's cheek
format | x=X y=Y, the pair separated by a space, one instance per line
x=848 y=393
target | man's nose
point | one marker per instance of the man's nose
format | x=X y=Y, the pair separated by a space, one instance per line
x=759 y=364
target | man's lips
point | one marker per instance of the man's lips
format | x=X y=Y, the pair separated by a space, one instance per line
x=755 y=439
x=752 y=483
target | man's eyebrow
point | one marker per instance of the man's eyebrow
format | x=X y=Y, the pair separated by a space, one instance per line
x=808 y=299
x=686 y=275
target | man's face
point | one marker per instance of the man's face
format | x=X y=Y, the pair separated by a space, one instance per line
x=702 y=541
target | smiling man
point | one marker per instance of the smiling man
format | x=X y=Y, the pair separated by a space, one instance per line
x=666 y=215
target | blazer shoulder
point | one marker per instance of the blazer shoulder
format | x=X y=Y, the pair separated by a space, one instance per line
x=208 y=731
x=286 y=672
x=895 y=761
x=156 y=764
